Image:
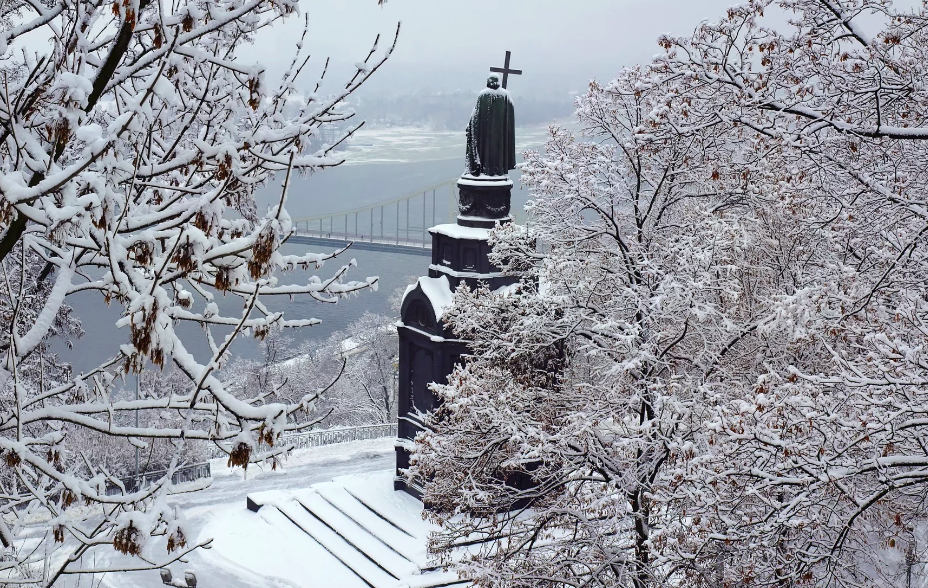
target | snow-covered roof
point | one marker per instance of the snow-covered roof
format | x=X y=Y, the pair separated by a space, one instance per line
x=406 y=292
x=459 y=232
x=437 y=290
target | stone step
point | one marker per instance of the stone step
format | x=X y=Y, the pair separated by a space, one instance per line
x=391 y=509
x=307 y=554
x=375 y=535
x=436 y=580
x=350 y=556
x=379 y=552
x=399 y=540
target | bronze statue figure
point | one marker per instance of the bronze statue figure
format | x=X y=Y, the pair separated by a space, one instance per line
x=491 y=137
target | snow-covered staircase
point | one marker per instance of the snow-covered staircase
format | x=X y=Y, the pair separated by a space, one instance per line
x=374 y=532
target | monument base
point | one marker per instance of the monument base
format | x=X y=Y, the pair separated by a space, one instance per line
x=428 y=349
x=479 y=222
x=483 y=200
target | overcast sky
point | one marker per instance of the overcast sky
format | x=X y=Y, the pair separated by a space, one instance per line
x=450 y=44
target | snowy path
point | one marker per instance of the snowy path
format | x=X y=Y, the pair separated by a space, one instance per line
x=371 y=535
x=222 y=506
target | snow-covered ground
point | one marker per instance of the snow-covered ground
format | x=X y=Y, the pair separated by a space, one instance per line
x=220 y=509
x=352 y=532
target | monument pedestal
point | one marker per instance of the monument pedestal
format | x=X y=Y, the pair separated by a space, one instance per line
x=484 y=201
x=460 y=252
x=428 y=349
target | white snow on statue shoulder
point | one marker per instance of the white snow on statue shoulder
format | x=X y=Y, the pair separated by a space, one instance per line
x=497 y=92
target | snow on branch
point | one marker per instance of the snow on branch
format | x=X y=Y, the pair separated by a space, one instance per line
x=130 y=153
x=714 y=370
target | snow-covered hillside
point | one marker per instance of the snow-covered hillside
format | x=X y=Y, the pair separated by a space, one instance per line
x=221 y=509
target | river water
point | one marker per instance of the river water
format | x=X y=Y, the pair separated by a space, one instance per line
x=380 y=165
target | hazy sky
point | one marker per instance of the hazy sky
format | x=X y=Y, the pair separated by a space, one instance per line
x=450 y=44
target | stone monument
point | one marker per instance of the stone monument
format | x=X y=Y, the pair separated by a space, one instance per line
x=460 y=252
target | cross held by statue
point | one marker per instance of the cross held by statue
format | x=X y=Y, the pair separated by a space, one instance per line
x=505 y=70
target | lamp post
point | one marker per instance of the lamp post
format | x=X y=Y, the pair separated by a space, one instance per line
x=189 y=581
x=910 y=559
x=138 y=386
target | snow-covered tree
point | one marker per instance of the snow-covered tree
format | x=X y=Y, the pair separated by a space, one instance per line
x=820 y=467
x=119 y=458
x=719 y=377
x=267 y=373
x=371 y=366
x=130 y=150
x=594 y=376
x=356 y=366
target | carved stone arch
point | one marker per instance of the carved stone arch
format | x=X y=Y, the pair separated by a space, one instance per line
x=417 y=312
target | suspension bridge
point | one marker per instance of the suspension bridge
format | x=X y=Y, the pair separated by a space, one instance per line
x=398 y=225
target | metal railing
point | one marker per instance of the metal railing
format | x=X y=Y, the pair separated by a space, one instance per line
x=298 y=440
x=329 y=437
x=345 y=435
x=181 y=475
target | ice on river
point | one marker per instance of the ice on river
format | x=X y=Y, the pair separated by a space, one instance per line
x=412 y=144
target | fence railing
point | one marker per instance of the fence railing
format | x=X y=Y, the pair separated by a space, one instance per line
x=329 y=437
x=345 y=435
x=298 y=440
x=181 y=475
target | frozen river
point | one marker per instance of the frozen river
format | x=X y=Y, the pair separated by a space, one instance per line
x=381 y=164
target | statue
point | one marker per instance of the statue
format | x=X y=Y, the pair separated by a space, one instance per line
x=429 y=348
x=491 y=137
